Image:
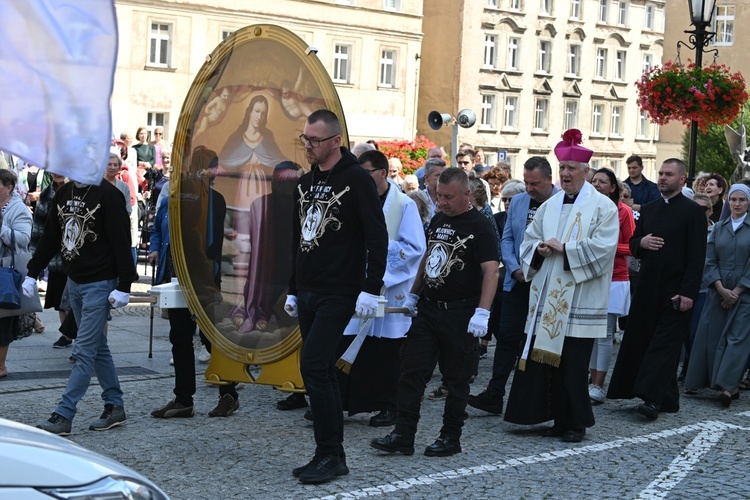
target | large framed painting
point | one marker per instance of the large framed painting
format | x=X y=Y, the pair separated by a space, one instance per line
x=237 y=157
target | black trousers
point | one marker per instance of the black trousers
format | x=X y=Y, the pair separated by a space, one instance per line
x=441 y=333
x=181 y=331
x=657 y=376
x=510 y=337
x=322 y=319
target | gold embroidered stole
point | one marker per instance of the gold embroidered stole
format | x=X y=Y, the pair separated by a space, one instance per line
x=552 y=288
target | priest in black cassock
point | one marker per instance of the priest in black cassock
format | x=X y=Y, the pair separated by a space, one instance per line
x=670 y=240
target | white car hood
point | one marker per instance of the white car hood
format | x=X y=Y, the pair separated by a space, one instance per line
x=33 y=457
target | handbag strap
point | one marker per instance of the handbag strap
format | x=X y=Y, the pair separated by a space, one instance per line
x=12 y=249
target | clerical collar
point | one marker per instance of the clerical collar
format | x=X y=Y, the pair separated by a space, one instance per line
x=569 y=199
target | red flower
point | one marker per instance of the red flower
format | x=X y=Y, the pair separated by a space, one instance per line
x=708 y=95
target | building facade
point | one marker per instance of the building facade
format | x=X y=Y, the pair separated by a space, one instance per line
x=732 y=51
x=371 y=49
x=530 y=69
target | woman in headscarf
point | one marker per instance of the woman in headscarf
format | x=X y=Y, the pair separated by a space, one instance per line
x=722 y=343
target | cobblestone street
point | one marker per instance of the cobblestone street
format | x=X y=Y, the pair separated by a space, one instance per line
x=695 y=453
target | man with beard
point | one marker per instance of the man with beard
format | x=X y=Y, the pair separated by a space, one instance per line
x=670 y=240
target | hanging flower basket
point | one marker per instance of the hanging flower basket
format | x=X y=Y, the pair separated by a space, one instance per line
x=710 y=95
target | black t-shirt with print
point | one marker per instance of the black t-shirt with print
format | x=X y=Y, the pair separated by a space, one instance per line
x=456 y=248
x=533 y=205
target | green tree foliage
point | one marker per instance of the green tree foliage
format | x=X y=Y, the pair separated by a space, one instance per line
x=712 y=148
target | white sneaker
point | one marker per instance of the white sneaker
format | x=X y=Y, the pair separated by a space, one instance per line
x=596 y=394
x=203 y=355
x=618 y=337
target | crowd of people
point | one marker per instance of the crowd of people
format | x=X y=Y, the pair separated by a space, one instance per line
x=553 y=271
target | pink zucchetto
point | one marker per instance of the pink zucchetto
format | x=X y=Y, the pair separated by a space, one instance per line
x=569 y=150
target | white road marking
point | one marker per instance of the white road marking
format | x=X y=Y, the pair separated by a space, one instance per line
x=684 y=463
x=709 y=434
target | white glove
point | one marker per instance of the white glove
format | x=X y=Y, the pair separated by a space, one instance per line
x=411 y=304
x=367 y=305
x=478 y=322
x=290 y=306
x=119 y=299
x=29 y=286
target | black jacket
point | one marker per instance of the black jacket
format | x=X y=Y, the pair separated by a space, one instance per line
x=339 y=237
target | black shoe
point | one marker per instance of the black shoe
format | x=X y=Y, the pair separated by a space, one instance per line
x=650 y=410
x=308 y=415
x=296 y=472
x=487 y=402
x=482 y=352
x=385 y=418
x=394 y=443
x=295 y=401
x=62 y=342
x=322 y=469
x=555 y=431
x=443 y=446
x=574 y=435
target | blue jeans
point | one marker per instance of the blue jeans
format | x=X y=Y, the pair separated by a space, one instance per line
x=90 y=305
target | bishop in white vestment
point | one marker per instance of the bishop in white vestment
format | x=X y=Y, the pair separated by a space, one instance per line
x=568 y=254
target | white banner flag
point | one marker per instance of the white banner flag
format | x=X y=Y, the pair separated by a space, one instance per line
x=57 y=64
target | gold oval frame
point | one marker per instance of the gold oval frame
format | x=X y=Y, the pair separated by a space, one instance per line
x=196 y=98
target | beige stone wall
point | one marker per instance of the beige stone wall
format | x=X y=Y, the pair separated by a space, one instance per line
x=455 y=43
x=372 y=111
x=734 y=56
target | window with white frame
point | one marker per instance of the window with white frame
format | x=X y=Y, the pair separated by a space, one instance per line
x=225 y=33
x=724 y=25
x=510 y=118
x=575 y=9
x=392 y=5
x=492 y=3
x=616 y=128
x=571 y=114
x=514 y=50
x=545 y=7
x=545 y=55
x=615 y=164
x=490 y=51
x=622 y=13
x=595 y=164
x=643 y=123
x=648 y=63
x=387 y=68
x=574 y=59
x=541 y=114
x=620 y=65
x=156 y=119
x=601 y=62
x=341 y=63
x=160 y=44
x=648 y=21
x=603 y=11
x=596 y=119
x=514 y=4
x=489 y=102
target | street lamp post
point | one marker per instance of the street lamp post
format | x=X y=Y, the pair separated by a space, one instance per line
x=701 y=14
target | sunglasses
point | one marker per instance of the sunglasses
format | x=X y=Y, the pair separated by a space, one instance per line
x=505 y=200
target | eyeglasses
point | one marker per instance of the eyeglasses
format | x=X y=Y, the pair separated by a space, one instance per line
x=158 y=133
x=506 y=200
x=705 y=208
x=314 y=143
x=371 y=170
